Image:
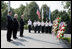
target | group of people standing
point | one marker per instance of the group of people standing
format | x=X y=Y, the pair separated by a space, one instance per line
x=40 y=26
x=13 y=25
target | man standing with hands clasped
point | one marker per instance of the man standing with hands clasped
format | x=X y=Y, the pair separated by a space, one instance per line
x=16 y=25
x=9 y=26
x=21 y=25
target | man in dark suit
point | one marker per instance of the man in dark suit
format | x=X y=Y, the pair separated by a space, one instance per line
x=16 y=25
x=21 y=26
x=9 y=26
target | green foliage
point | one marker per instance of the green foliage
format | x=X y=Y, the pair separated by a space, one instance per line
x=55 y=14
x=68 y=6
x=68 y=39
x=30 y=12
x=3 y=11
x=26 y=26
x=63 y=14
x=19 y=11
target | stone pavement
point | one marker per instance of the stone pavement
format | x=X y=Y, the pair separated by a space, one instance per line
x=32 y=40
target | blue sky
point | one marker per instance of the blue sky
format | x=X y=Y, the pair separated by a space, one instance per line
x=52 y=4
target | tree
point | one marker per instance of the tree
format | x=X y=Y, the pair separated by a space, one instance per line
x=68 y=6
x=19 y=10
x=63 y=14
x=4 y=13
x=30 y=11
x=55 y=14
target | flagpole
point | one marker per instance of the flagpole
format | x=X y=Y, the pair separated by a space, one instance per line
x=8 y=6
x=46 y=13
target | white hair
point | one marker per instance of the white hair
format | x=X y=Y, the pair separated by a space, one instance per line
x=15 y=15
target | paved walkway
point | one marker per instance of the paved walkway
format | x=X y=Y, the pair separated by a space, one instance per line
x=32 y=40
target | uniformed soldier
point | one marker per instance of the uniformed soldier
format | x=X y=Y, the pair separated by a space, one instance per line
x=50 y=26
x=35 y=24
x=29 y=25
x=9 y=26
x=16 y=25
x=21 y=25
x=38 y=23
x=46 y=27
x=42 y=27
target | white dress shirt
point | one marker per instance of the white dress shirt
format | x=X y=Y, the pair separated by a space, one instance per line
x=46 y=24
x=29 y=22
x=50 y=24
x=38 y=23
x=35 y=24
x=42 y=23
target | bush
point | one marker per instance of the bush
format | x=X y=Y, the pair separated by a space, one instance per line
x=25 y=26
x=68 y=39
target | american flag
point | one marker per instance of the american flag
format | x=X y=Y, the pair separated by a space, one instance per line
x=38 y=13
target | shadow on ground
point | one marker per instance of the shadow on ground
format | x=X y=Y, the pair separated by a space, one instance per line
x=22 y=40
x=17 y=43
x=42 y=40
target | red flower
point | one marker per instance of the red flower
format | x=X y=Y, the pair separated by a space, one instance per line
x=57 y=36
x=58 y=18
x=57 y=24
x=62 y=34
x=63 y=30
x=63 y=25
x=58 y=21
x=60 y=27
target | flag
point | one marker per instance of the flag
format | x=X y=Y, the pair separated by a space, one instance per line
x=49 y=14
x=42 y=14
x=38 y=13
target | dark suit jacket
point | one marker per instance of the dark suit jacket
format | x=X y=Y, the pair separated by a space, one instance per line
x=9 y=22
x=21 y=23
x=16 y=25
